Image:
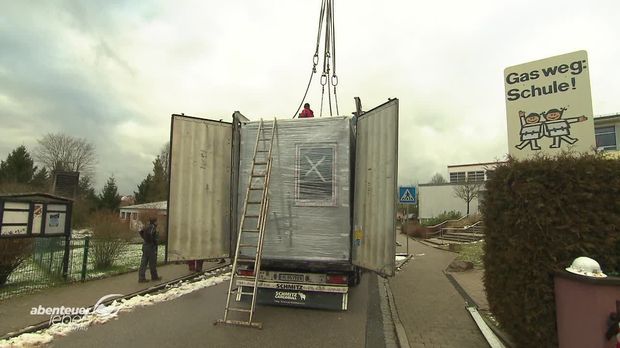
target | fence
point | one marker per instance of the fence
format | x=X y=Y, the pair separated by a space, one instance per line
x=45 y=264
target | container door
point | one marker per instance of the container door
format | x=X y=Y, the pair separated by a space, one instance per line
x=375 y=193
x=199 y=205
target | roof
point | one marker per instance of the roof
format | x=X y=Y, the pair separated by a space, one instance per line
x=476 y=164
x=442 y=184
x=606 y=118
x=162 y=205
x=35 y=196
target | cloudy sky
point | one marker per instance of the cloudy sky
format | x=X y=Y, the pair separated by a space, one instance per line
x=114 y=71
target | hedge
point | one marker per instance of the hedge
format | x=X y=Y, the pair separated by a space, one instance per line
x=540 y=214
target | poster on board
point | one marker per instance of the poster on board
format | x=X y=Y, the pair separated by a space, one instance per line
x=549 y=106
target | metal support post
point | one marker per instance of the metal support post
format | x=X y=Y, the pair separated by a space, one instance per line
x=85 y=258
x=407 y=223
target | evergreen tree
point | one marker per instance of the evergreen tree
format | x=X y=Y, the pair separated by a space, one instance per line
x=18 y=167
x=85 y=204
x=154 y=187
x=109 y=197
x=164 y=156
x=142 y=196
x=159 y=191
x=40 y=180
x=86 y=190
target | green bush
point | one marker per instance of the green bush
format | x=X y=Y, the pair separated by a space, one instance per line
x=444 y=216
x=110 y=238
x=12 y=253
x=540 y=214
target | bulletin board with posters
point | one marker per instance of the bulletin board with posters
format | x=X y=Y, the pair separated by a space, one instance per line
x=549 y=106
x=34 y=215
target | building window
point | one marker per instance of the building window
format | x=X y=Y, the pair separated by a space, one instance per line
x=122 y=215
x=134 y=216
x=315 y=183
x=605 y=137
x=475 y=176
x=457 y=177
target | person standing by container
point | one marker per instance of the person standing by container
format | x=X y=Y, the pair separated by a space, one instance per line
x=149 y=251
x=195 y=265
x=306 y=112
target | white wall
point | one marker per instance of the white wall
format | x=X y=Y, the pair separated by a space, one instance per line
x=435 y=199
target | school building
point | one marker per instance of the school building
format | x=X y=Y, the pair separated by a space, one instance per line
x=138 y=215
x=437 y=198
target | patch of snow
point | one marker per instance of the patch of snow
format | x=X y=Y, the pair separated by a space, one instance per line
x=172 y=292
x=79 y=234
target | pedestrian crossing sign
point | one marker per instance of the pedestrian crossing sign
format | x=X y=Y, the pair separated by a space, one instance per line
x=407 y=195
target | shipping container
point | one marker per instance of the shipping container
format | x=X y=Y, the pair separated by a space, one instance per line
x=332 y=196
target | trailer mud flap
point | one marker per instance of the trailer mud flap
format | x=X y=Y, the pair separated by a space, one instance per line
x=297 y=298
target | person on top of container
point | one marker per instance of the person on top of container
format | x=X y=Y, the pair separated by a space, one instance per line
x=306 y=112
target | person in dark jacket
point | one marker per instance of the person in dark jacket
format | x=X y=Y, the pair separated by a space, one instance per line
x=306 y=112
x=149 y=251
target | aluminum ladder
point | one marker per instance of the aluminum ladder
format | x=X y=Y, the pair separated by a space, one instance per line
x=256 y=196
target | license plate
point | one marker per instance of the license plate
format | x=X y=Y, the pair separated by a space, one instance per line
x=291 y=277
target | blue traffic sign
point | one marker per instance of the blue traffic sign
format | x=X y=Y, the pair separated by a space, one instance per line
x=407 y=195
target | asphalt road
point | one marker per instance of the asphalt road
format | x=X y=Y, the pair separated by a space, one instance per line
x=188 y=322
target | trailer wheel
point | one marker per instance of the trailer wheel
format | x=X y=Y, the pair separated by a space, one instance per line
x=355 y=277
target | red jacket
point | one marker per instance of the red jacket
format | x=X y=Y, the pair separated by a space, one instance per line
x=306 y=113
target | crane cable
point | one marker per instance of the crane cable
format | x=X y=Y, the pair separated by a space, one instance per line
x=334 y=79
x=327 y=14
x=315 y=58
x=327 y=57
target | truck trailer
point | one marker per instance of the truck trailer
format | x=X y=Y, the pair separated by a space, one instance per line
x=332 y=201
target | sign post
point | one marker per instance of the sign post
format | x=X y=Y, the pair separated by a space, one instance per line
x=549 y=106
x=407 y=195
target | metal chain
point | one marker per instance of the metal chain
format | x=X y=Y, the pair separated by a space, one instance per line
x=336 y=100
x=322 y=95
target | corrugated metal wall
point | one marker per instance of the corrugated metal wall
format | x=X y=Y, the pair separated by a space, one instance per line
x=376 y=175
x=199 y=202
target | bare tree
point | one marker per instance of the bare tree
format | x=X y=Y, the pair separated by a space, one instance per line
x=57 y=151
x=468 y=190
x=438 y=179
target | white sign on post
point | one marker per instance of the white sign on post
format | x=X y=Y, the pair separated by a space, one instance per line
x=549 y=106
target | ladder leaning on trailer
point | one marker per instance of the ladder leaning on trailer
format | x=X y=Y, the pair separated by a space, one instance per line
x=258 y=185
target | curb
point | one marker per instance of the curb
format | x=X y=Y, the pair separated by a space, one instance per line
x=401 y=335
x=470 y=303
x=468 y=300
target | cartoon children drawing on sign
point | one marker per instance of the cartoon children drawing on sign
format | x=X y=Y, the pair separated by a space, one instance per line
x=554 y=126
x=531 y=130
x=558 y=128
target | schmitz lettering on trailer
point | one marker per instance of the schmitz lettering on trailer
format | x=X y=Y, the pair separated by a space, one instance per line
x=285 y=295
x=289 y=286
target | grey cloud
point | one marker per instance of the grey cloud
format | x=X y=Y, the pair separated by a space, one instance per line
x=47 y=93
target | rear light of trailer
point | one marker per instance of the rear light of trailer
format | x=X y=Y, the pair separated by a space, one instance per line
x=337 y=279
x=246 y=272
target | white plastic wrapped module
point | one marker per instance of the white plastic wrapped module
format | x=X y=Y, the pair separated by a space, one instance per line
x=310 y=189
